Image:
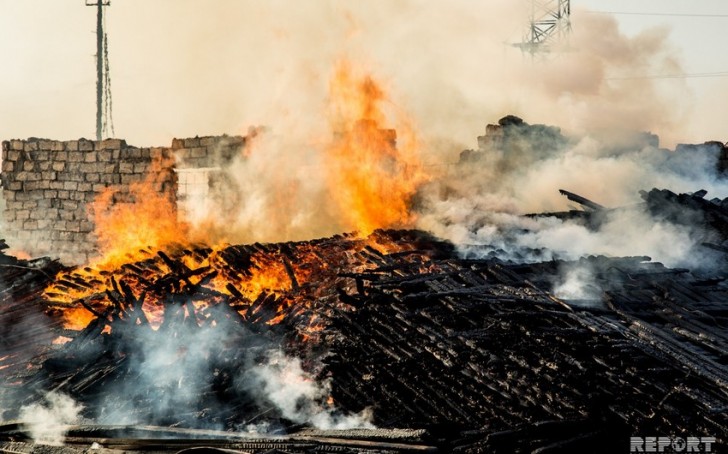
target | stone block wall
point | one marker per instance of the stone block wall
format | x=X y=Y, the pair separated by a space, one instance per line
x=208 y=151
x=48 y=185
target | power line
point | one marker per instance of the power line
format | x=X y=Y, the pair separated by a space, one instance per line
x=673 y=76
x=630 y=13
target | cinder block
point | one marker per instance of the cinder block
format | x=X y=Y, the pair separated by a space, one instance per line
x=90 y=156
x=112 y=144
x=40 y=155
x=70 y=186
x=17 y=145
x=85 y=145
x=69 y=205
x=191 y=143
x=30 y=225
x=46 y=144
x=72 y=145
x=75 y=156
x=87 y=167
x=8 y=166
x=58 y=166
x=198 y=152
x=30 y=146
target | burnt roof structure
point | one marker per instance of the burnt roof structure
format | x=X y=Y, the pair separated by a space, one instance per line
x=445 y=354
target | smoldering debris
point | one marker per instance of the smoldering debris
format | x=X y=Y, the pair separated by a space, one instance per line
x=518 y=168
x=479 y=352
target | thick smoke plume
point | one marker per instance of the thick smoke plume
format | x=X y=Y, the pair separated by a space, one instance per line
x=519 y=168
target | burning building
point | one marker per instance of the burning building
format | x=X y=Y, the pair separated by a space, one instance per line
x=445 y=322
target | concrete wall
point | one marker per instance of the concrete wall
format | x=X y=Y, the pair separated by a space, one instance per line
x=48 y=184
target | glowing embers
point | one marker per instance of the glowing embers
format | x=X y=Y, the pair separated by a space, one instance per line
x=192 y=286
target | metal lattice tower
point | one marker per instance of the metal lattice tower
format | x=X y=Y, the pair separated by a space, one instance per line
x=104 y=122
x=550 y=24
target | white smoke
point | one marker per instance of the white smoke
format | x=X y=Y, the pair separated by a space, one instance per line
x=577 y=284
x=48 y=422
x=282 y=382
x=480 y=205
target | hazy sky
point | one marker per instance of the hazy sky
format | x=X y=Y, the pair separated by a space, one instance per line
x=186 y=67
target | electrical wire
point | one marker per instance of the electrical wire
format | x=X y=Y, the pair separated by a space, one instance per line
x=673 y=76
x=630 y=13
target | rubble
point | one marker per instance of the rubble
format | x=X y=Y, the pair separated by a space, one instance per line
x=479 y=353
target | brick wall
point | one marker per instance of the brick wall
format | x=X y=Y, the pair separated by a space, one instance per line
x=48 y=184
x=209 y=151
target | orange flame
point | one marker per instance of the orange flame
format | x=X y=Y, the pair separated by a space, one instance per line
x=372 y=178
x=146 y=218
x=77 y=318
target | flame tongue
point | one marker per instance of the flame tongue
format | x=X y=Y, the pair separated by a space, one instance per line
x=371 y=177
x=127 y=225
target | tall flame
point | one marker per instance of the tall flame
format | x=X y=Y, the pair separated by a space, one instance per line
x=147 y=218
x=371 y=177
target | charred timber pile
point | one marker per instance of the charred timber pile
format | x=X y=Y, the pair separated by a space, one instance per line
x=477 y=355
x=25 y=328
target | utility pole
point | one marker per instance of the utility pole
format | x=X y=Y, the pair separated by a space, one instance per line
x=102 y=76
x=550 y=23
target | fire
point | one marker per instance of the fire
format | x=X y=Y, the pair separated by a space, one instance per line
x=77 y=318
x=373 y=174
x=148 y=219
x=371 y=177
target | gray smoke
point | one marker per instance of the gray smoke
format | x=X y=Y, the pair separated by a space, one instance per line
x=48 y=421
x=480 y=204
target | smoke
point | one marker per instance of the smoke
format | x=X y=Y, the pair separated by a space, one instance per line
x=171 y=372
x=48 y=421
x=283 y=188
x=519 y=169
x=577 y=285
x=281 y=381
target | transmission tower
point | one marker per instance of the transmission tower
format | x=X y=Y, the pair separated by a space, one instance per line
x=550 y=24
x=104 y=121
